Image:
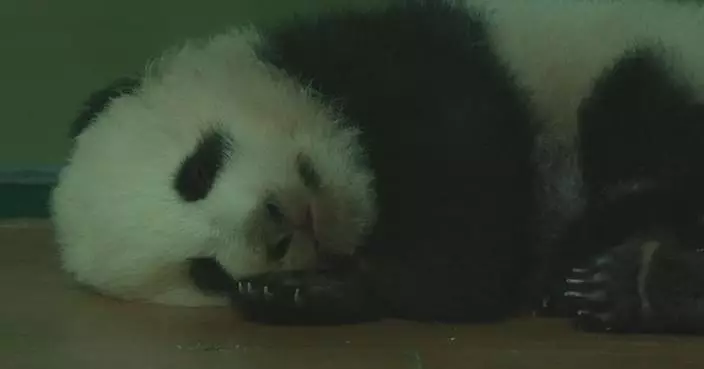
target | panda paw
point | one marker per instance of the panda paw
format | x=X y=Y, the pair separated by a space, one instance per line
x=301 y=297
x=606 y=294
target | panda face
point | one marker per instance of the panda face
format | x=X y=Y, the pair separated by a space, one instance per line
x=273 y=209
x=272 y=170
x=262 y=206
x=212 y=154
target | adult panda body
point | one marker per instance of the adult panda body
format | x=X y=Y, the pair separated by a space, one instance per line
x=619 y=89
x=422 y=157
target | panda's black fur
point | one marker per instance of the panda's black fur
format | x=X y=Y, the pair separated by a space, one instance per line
x=640 y=147
x=450 y=134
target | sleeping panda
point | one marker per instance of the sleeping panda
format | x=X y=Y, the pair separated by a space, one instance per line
x=433 y=161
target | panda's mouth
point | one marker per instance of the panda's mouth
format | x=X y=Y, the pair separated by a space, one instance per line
x=209 y=275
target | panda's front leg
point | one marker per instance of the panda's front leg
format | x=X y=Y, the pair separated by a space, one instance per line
x=304 y=297
x=647 y=285
x=334 y=296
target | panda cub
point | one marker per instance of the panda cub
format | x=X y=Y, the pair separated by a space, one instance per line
x=433 y=161
x=212 y=153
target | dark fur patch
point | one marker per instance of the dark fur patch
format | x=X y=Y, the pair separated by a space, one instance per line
x=99 y=100
x=642 y=126
x=209 y=276
x=641 y=123
x=642 y=157
x=197 y=174
x=307 y=172
x=449 y=137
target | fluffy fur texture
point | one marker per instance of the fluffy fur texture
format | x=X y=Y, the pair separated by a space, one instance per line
x=558 y=49
x=209 y=157
x=619 y=89
x=456 y=151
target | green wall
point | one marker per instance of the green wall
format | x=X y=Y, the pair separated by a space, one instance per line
x=56 y=52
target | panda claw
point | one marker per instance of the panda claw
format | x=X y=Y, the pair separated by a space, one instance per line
x=593 y=296
x=574 y=294
x=240 y=288
x=250 y=289
x=575 y=281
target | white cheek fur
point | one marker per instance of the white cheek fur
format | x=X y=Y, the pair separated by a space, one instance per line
x=121 y=226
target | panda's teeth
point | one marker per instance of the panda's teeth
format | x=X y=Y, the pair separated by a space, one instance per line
x=297 y=296
x=574 y=281
x=579 y=270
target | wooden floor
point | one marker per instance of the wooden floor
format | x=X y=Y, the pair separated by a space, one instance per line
x=47 y=322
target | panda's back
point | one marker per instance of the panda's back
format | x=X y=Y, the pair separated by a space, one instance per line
x=558 y=48
x=447 y=133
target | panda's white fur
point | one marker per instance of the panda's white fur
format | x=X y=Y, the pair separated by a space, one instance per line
x=557 y=48
x=121 y=226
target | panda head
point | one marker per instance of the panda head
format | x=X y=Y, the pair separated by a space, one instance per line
x=271 y=204
x=216 y=154
x=276 y=173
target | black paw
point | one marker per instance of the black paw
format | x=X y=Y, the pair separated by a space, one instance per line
x=303 y=297
x=606 y=294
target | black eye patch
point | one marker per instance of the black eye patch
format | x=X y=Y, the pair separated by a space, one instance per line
x=198 y=171
x=307 y=172
x=274 y=212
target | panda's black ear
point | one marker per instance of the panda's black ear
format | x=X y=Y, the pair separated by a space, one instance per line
x=198 y=171
x=98 y=101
